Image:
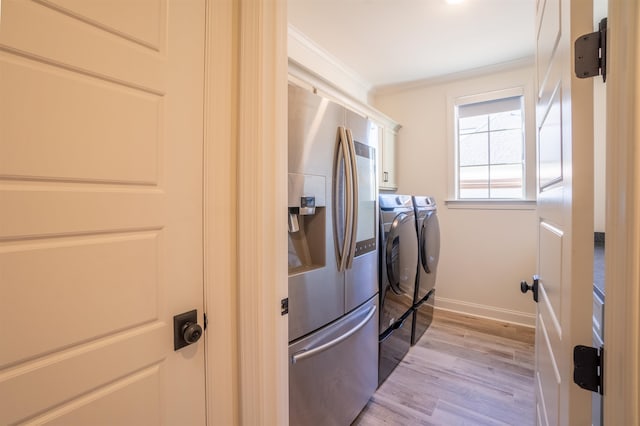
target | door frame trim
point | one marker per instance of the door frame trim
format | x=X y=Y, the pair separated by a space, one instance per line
x=262 y=225
x=622 y=254
x=245 y=181
x=219 y=215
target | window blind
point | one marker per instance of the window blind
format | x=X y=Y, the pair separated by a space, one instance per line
x=490 y=107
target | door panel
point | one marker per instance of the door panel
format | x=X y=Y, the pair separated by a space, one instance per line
x=548 y=37
x=547 y=376
x=105 y=281
x=136 y=397
x=119 y=142
x=550 y=240
x=148 y=29
x=565 y=212
x=71 y=41
x=101 y=219
x=41 y=209
x=69 y=375
x=550 y=145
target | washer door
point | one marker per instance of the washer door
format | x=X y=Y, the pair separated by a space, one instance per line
x=401 y=255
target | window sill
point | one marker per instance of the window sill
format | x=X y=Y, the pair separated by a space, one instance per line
x=492 y=204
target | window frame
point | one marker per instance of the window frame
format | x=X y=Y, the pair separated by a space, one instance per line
x=529 y=190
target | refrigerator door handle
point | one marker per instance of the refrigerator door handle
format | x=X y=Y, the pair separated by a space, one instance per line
x=354 y=198
x=343 y=150
x=306 y=353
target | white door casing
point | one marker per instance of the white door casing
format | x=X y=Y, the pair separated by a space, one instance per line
x=101 y=211
x=220 y=188
x=565 y=211
x=622 y=312
x=261 y=197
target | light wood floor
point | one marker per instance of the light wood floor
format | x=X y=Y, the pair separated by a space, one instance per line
x=463 y=371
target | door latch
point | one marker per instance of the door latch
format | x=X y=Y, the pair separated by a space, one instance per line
x=186 y=330
x=591 y=53
x=524 y=287
x=587 y=368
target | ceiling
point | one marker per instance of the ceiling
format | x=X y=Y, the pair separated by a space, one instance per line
x=390 y=42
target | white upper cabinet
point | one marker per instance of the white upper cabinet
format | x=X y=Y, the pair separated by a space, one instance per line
x=385 y=133
x=388 y=160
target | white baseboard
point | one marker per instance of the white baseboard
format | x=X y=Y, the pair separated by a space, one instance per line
x=484 y=311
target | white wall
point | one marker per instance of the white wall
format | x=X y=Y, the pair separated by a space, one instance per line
x=484 y=253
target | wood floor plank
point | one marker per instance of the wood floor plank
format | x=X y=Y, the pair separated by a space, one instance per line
x=463 y=371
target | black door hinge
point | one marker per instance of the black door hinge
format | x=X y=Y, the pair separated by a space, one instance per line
x=588 y=368
x=284 y=306
x=591 y=53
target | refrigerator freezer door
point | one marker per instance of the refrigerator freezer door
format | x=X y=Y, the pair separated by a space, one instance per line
x=334 y=376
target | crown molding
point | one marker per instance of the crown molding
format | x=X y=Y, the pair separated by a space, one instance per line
x=307 y=54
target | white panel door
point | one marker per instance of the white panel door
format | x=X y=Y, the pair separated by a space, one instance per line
x=101 y=108
x=565 y=210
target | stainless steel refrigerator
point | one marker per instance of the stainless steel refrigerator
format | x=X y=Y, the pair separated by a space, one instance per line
x=333 y=274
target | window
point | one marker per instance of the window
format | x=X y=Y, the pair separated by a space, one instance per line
x=490 y=147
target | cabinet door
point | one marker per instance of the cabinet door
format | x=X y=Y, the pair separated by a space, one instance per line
x=376 y=131
x=388 y=163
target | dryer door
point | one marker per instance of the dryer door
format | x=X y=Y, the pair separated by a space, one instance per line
x=399 y=268
x=401 y=254
x=429 y=243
